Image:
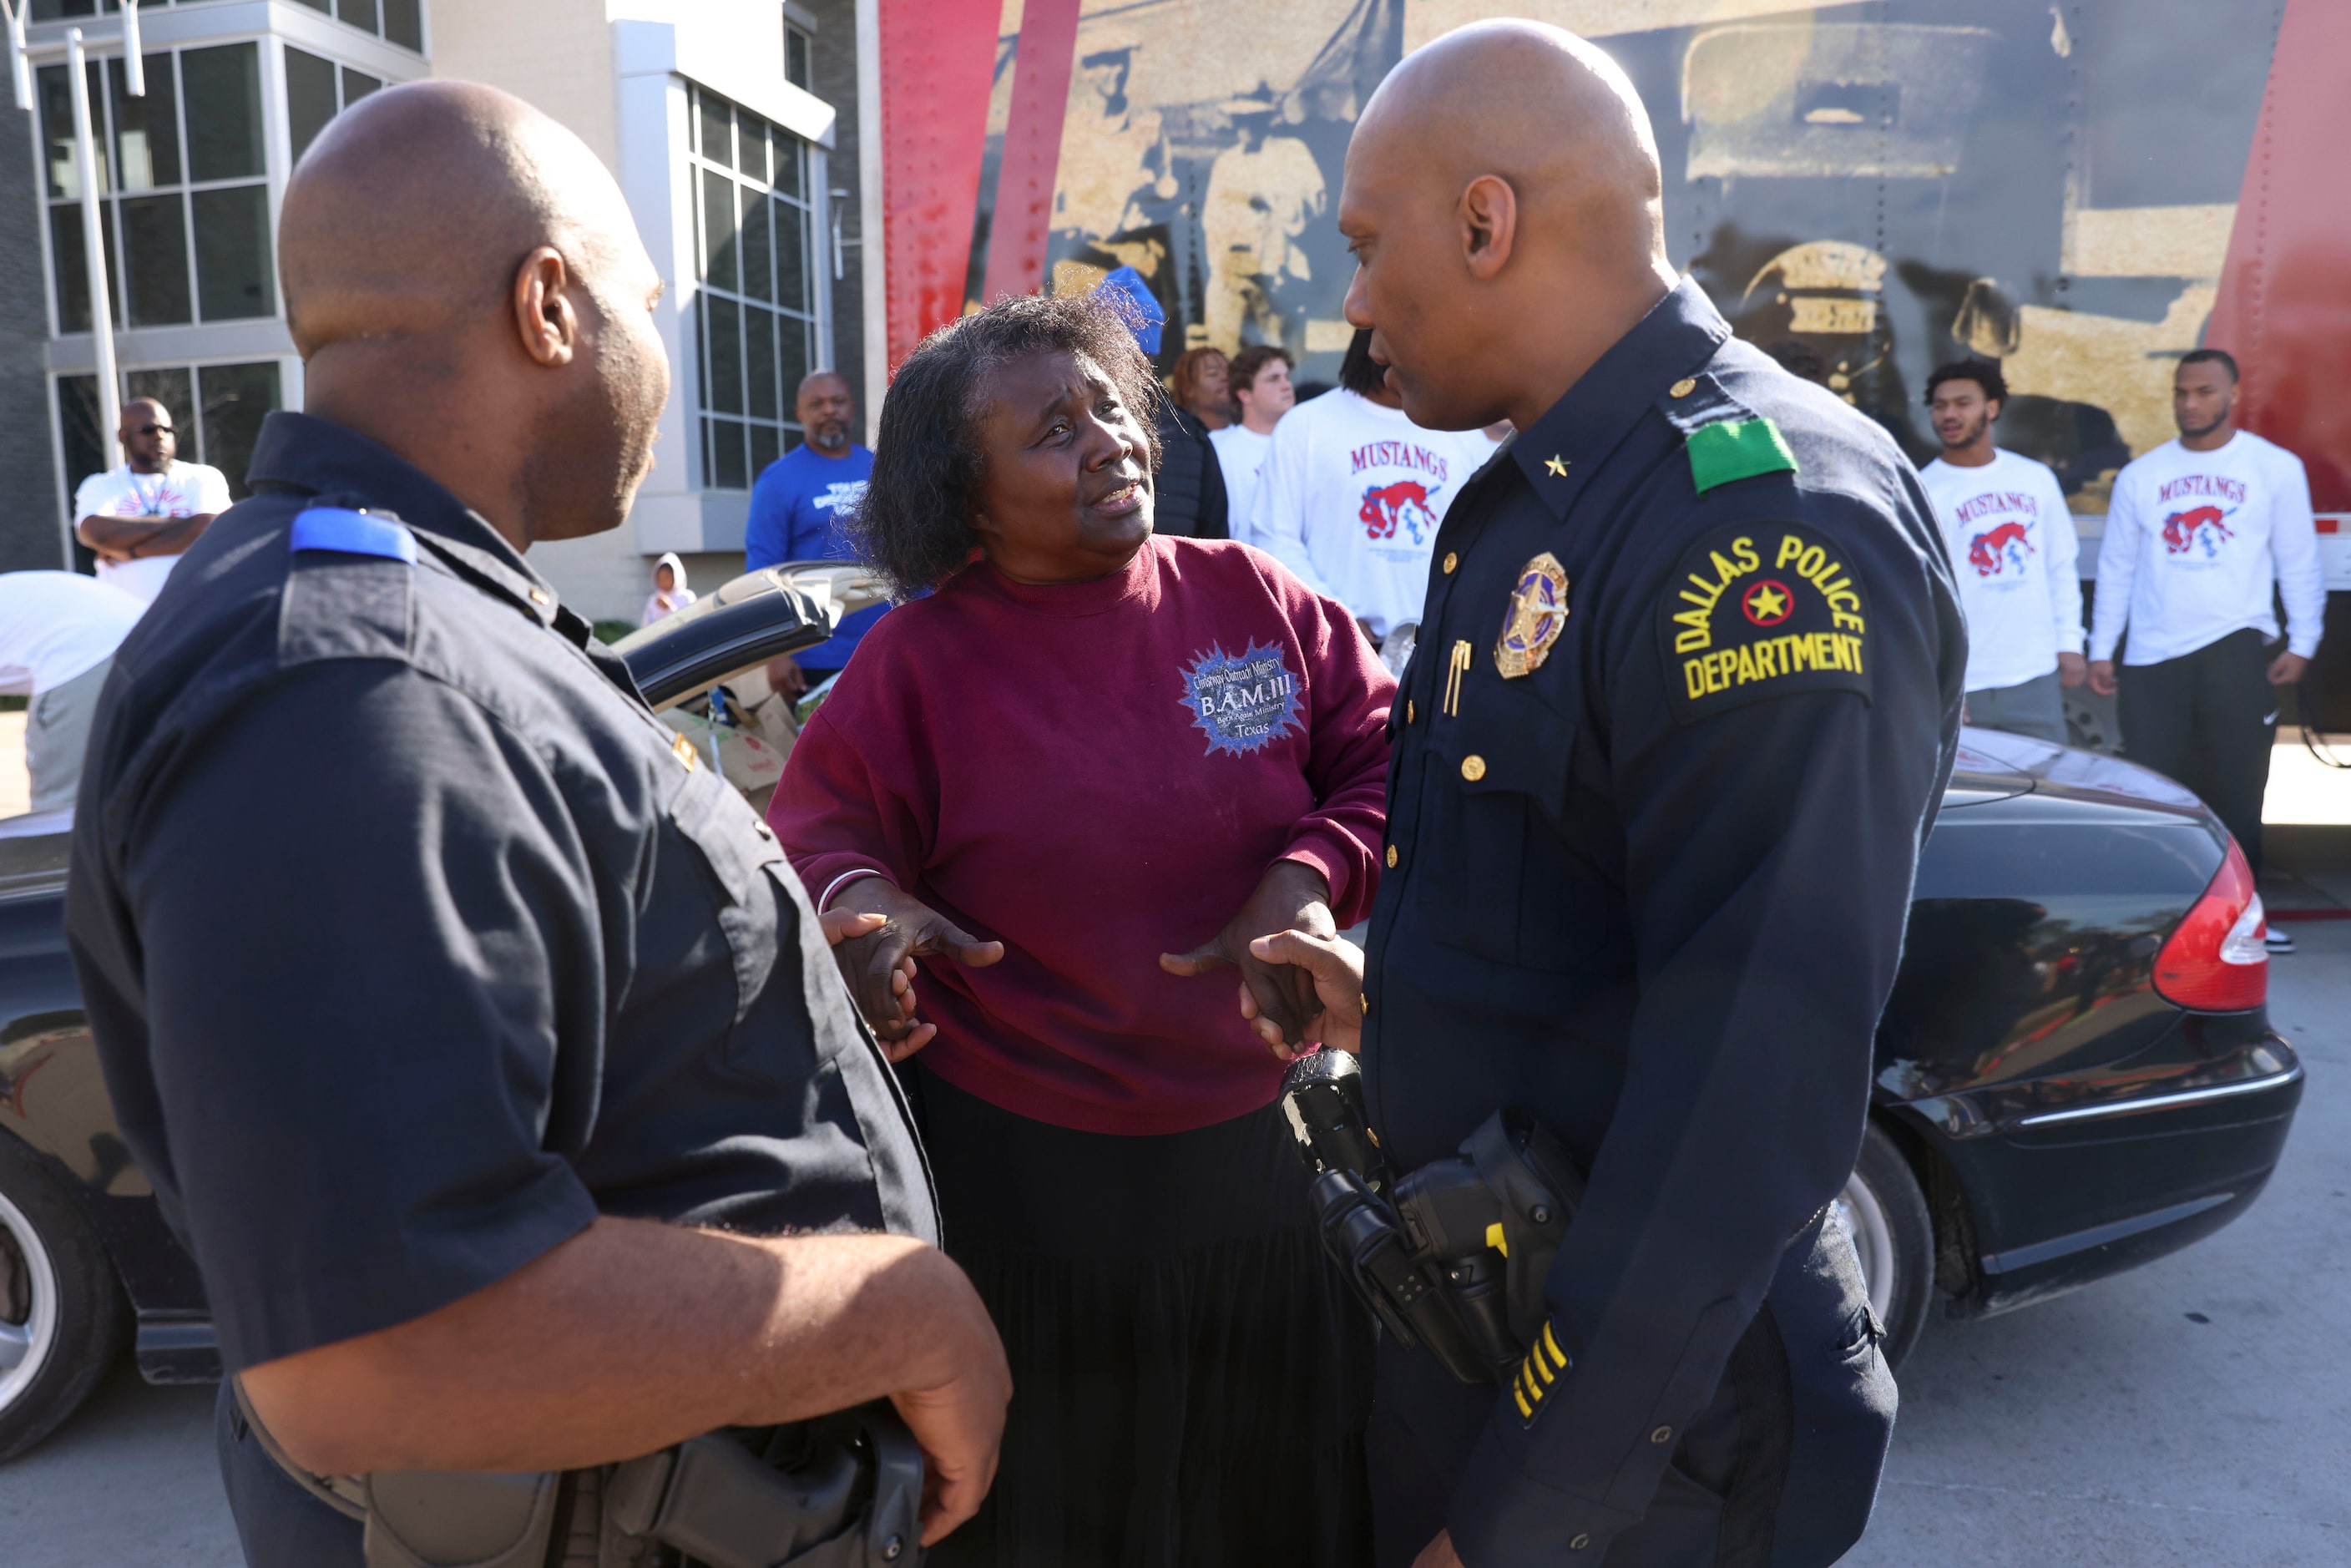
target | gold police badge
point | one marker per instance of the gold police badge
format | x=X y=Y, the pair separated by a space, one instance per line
x=1538 y=615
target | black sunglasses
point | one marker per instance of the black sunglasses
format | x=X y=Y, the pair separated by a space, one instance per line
x=155 y=430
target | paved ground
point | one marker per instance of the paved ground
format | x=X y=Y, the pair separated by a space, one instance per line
x=2111 y=1429
x=2189 y=1413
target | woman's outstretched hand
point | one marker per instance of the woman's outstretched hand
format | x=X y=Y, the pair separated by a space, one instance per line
x=877 y=933
x=1278 y=996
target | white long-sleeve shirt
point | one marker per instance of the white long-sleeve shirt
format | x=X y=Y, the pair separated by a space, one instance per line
x=2194 y=540
x=2016 y=554
x=1350 y=497
x=1240 y=453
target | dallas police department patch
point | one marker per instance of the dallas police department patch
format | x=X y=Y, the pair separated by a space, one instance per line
x=1537 y=615
x=1243 y=701
x=1762 y=610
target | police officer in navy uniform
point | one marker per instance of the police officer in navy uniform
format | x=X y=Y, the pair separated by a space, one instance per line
x=1684 y=702
x=475 y=1036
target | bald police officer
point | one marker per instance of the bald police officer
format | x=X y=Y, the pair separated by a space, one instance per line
x=477 y=1039
x=1686 y=695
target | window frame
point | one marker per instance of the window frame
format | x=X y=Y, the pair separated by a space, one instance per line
x=107 y=134
x=691 y=163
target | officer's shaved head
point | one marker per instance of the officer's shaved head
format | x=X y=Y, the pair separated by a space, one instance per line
x=466 y=284
x=1504 y=200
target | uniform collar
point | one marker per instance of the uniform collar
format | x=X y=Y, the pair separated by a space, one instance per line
x=302 y=452
x=1679 y=335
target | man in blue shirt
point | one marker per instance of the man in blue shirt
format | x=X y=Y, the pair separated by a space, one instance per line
x=797 y=509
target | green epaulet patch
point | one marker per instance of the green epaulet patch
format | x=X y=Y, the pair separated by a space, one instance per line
x=1737 y=449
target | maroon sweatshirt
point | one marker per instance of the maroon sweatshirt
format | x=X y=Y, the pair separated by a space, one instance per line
x=1094 y=774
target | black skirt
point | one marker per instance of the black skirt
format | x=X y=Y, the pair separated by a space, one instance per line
x=1191 y=1380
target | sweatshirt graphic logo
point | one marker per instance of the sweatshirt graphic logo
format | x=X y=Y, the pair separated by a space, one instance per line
x=2004 y=547
x=2183 y=531
x=1405 y=502
x=1243 y=701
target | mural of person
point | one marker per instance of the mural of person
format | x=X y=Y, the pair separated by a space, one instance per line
x=1263 y=191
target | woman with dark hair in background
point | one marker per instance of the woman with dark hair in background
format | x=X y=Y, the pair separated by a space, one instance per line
x=1188 y=492
x=1201 y=384
x=1088 y=768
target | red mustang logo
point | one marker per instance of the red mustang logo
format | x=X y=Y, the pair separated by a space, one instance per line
x=1994 y=552
x=1406 y=502
x=2181 y=529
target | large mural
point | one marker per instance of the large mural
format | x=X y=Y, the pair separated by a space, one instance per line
x=1894 y=183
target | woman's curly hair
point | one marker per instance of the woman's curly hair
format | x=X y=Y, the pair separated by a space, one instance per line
x=913 y=524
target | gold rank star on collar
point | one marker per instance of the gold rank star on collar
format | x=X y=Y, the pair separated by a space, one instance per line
x=1555 y=466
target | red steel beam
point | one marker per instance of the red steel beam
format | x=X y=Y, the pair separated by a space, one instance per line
x=2284 y=310
x=1032 y=149
x=938 y=61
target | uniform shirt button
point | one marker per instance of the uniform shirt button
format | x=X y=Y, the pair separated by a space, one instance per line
x=1473 y=768
x=1409 y=711
x=1391 y=857
x=1662 y=1435
x=539 y=596
x=1580 y=1543
x=1452 y=559
x=764 y=831
x=1682 y=388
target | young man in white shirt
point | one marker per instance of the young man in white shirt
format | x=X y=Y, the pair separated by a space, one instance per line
x=1259 y=379
x=141 y=518
x=2013 y=551
x=2199 y=532
x=1351 y=493
x=59 y=631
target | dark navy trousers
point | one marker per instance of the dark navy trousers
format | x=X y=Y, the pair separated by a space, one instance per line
x=1780 y=1471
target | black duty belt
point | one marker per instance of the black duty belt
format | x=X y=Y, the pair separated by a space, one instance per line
x=1452 y=1256
x=841 y=1491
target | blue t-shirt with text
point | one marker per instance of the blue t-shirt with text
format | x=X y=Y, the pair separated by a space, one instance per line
x=797 y=508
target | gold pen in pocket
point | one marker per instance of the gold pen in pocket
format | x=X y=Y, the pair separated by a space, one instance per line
x=1456 y=666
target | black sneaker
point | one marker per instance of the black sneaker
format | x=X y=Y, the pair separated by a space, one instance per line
x=2278 y=941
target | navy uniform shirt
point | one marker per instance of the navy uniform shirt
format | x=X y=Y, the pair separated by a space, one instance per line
x=1685 y=699
x=412 y=943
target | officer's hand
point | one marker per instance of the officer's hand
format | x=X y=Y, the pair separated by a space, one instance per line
x=879 y=961
x=959 y=1423
x=2072 y=670
x=2287 y=669
x=2102 y=677
x=1291 y=896
x=839 y=925
x=1336 y=965
x=1438 y=1553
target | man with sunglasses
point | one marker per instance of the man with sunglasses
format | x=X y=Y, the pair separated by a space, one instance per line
x=141 y=516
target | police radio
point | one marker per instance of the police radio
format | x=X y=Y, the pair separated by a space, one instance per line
x=1452 y=1256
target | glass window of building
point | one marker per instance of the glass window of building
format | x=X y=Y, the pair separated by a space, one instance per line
x=755 y=311
x=796 y=56
x=316 y=91
x=185 y=214
x=400 y=21
x=217 y=409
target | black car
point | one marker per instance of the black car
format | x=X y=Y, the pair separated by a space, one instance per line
x=2075 y=1073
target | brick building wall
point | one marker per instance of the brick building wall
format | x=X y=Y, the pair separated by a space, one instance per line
x=29 y=536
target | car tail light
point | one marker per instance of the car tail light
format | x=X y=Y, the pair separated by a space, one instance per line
x=2216 y=961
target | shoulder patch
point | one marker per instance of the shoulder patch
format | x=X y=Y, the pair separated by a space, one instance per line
x=352 y=532
x=1762 y=610
x=1737 y=449
x=353 y=608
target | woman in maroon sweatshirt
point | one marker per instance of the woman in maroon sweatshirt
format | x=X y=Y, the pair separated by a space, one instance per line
x=1078 y=777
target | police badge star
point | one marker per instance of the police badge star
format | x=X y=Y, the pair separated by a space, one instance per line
x=1538 y=615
